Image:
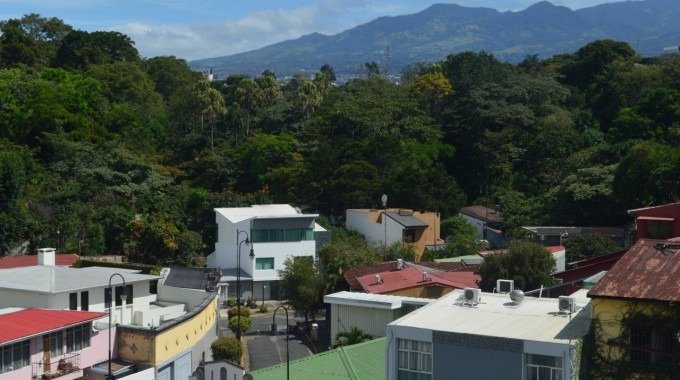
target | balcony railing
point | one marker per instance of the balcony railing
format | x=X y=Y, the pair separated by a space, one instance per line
x=56 y=368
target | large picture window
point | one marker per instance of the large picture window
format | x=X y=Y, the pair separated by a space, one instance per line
x=543 y=367
x=15 y=356
x=78 y=337
x=281 y=235
x=414 y=360
x=264 y=263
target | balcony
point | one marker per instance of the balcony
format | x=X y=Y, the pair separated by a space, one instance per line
x=56 y=368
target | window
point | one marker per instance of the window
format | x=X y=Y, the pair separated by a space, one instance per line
x=73 y=301
x=543 y=367
x=414 y=360
x=263 y=263
x=648 y=345
x=15 y=356
x=658 y=229
x=85 y=301
x=56 y=343
x=281 y=235
x=119 y=301
x=78 y=337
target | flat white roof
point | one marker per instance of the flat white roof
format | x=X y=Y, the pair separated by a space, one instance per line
x=378 y=301
x=276 y=211
x=535 y=319
x=53 y=279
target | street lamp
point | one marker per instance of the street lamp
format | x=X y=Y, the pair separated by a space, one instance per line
x=123 y=297
x=384 y=202
x=238 y=277
x=275 y=331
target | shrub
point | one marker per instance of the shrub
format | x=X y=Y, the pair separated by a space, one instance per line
x=246 y=324
x=245 y=312
x=263 y=308
x=227 y=349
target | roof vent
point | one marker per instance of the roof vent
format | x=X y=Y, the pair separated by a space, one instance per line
x=517 y=296
x=426 y=277
x=472 y=296
x=378 y=280
x=567 y=304
x=400 y=264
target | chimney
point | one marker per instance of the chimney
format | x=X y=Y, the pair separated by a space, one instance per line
x=378 y=280
x=400 y=264
x=425 y=277
x=46 y=257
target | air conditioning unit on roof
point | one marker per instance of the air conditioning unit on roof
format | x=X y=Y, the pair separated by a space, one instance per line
x=472 y=295
x=567 y=304
x=505 y=286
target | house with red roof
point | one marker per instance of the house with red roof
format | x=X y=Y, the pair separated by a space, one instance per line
x=636 y=314
x=658 y=222
x=415 y=282
x=49 y=344
x=60 y=260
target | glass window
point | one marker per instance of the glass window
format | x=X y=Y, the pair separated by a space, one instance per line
x=543 y=367
x=85 y=301
x=78 y=337
x=259 y=236
x=264 y=263
x=292 y=234
x=414 y=360
x=128 y=292
x=73 y=301
x=652 y=345
x=306 y=234
x=15 y=356
x=276 y=235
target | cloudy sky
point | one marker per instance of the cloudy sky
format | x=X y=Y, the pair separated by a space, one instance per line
x=193 y=29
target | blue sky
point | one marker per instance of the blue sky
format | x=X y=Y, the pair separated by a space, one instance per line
x=193 y=29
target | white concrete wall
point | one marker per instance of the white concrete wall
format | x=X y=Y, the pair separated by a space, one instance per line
x=479 y=225
x=370 y=320
x=279 y=251
x=374 y=232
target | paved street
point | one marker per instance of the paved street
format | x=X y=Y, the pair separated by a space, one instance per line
x=264 y=350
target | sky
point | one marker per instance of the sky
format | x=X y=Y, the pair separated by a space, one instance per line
x=196 y=29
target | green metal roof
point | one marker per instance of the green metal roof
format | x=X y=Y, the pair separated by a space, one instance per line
x=363 y=361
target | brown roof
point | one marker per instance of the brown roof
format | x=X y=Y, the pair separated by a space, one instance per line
x=412 y=277
x=483 y=213
x=60 y=260
x=352 y=275
x=650 y=270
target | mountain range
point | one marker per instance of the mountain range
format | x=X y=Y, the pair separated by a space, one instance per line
x=543 y=29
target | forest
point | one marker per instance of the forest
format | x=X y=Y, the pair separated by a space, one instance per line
x=103 y=151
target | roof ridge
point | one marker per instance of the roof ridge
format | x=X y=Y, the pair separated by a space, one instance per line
x=347 y=363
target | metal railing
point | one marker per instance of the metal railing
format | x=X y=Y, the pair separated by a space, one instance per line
x=56 y=367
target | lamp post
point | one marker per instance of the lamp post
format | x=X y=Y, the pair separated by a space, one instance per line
x=112 y=301
x=58 y=241
x=384 y=202
x=238 y=277
x=275 y=331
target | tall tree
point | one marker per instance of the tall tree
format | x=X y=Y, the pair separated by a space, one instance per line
x=302 y=285
x=529 y=264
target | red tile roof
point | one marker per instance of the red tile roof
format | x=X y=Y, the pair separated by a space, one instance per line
x=25 y=323
x=61 y=260
x=413 y=277
x=650 y=270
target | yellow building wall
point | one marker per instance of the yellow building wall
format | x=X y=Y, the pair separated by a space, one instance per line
x=609 y=313
x=156 y=347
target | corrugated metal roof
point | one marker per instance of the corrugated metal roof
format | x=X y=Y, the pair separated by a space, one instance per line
x=64 y=259
x=49 y=279
x=650 y=270
x=25 y=323
x=193 y=278
x=363 y=361
x=413 y=277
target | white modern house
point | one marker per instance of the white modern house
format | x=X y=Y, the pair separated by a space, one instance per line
x=468 y=334
x=263 y=236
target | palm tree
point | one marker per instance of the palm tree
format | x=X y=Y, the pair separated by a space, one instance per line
x=353 y=336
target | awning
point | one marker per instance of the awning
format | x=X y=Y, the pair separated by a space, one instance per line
x=657 y=218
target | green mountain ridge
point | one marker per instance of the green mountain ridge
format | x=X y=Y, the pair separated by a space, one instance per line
x=543 y=29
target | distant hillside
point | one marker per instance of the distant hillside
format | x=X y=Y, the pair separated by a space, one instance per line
x=442 y=29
